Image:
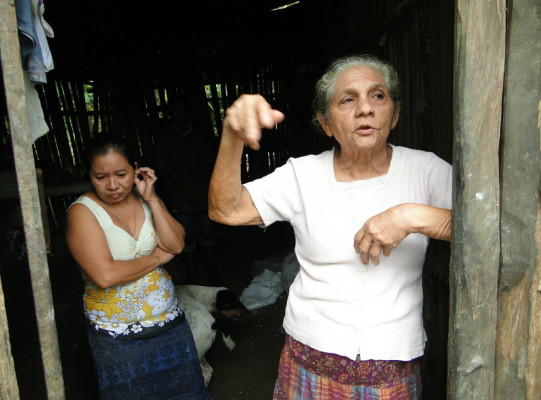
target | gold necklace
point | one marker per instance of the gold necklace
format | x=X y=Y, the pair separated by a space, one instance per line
x=120 y=219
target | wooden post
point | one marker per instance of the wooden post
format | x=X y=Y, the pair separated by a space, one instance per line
x=8 y=378
x=518 y=350
x=479 y=66
x=29 y=198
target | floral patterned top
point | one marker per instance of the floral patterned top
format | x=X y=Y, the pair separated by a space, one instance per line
x=129 y=308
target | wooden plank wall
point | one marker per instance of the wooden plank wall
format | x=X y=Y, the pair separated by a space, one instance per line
x=518 y=349
x=495 y=336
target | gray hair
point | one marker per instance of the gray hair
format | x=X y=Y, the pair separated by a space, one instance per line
x=325 y=85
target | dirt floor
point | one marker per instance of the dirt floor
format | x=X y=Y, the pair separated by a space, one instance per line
x=246 y=372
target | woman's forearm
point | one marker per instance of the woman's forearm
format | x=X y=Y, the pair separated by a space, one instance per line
x=169 y=232
x=430 y=221
x=229 y=202
x=383 y=231
x=118 y=272
x=225 y=189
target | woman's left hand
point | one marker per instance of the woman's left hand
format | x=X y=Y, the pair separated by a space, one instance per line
x=384 y=231
x=380 y=233
x=145 y=186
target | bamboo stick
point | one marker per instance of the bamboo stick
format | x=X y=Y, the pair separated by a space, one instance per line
x=56 y=123
x=81 y=115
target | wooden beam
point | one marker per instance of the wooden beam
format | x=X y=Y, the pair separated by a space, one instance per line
x=479 y=67
x=29 y=198
x=518 y=351
x=8 y=377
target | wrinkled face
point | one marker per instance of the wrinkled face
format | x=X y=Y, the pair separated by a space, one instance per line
x=112 y=177
x=361 y=113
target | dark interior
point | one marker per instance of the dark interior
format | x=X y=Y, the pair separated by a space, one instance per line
x=116 y=62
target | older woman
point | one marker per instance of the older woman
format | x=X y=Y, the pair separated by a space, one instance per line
x=120 y=233
x=362 y=214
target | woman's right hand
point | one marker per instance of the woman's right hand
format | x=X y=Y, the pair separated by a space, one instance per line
x=247 y=115
x=229 y=201
x=145 y=186
x=163 y=256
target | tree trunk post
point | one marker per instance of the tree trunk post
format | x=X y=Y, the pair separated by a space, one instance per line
x=479 y=67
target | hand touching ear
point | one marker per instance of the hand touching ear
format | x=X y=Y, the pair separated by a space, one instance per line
x=145 y=186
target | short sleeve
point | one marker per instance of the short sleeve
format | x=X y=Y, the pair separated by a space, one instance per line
x=439 y=182
x=276 y=196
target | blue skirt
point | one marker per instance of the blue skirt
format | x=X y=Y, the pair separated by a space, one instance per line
x=158 y=368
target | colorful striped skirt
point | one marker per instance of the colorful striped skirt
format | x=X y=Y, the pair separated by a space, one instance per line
x=305 y=374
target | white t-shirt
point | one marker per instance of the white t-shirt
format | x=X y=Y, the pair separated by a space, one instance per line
x=337 y=305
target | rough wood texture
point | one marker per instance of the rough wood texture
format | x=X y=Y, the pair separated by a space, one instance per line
x=533 y=357
x=29 y=198
x=479 y=30
x=518 y=352
x=8 y=378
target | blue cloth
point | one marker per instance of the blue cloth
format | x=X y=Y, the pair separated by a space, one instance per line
x=33 y=64
x=163 y=367
x=30 y=47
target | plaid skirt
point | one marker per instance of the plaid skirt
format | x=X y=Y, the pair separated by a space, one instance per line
x=307 y=374
x=158 y=368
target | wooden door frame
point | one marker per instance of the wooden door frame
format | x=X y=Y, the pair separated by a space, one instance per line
x=495 y=274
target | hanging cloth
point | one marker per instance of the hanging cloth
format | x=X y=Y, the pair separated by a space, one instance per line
x=35 y=52
x=43 y=31
x=33 y=62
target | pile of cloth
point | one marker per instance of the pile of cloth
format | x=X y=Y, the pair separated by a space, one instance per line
x=276 y=278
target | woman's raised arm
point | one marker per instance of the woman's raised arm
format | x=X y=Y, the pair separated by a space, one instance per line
x=229 y=202
x=169 y=232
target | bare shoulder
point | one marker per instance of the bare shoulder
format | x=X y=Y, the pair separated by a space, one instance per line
x=82 y=227
x=79 y=213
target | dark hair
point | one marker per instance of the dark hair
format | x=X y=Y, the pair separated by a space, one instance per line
x=103 y=143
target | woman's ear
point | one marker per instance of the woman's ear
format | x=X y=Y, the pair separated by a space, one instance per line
x=135 y=168
x=323 y=122
x=396 y=114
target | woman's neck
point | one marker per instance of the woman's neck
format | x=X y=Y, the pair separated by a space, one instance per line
x=351 y=166
x=126 y=201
